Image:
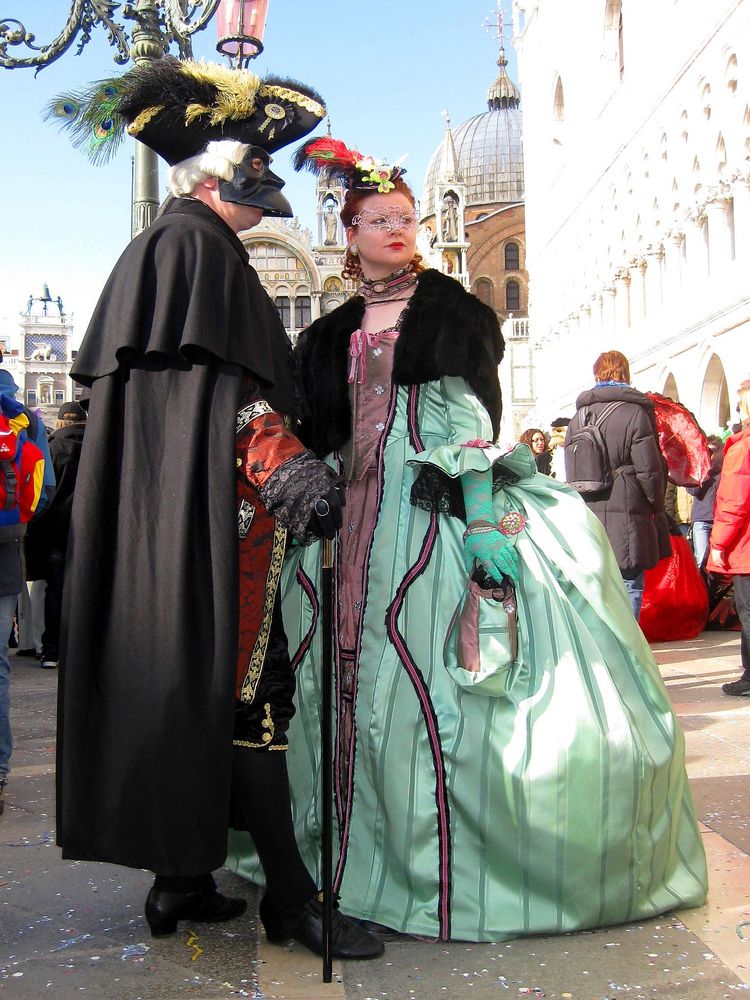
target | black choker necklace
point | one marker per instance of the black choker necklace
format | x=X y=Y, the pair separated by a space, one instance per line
x=391 y=284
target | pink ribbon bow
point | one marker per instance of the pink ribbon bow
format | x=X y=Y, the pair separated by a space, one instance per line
x=358 y=344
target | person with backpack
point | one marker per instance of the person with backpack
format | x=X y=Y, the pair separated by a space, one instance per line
x=612 y=458
x=26 y=481
x=47 y=537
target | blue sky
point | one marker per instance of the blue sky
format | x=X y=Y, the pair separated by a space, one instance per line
x=386 y=70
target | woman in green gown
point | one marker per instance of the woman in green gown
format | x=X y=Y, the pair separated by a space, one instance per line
x=546 y=797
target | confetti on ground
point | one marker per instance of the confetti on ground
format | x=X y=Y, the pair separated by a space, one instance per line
x=135 y=951
x=192 y=942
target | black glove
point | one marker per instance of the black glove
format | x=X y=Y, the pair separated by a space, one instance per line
x=327 y=514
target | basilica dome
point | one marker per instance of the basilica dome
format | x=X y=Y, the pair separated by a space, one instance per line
x=488 y=151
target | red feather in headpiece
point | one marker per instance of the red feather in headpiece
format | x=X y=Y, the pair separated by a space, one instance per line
x=326 y=154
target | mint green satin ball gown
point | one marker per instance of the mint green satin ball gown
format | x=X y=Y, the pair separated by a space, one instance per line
x=563 y=804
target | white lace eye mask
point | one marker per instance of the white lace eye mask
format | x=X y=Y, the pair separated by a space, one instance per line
x=386 y=218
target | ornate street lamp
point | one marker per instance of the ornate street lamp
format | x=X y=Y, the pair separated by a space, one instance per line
x=240 y=25
x=158 y=24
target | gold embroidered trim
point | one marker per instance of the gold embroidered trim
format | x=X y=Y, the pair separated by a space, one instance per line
x=258 y=655
x=141 y=121
x=267 y=724
x=301 y=100
x=257 y=746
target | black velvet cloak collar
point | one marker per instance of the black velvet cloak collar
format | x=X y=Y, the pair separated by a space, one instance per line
x=445 y=331
x=183 y=293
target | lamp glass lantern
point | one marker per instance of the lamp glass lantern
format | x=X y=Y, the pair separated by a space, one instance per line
x=240 y=25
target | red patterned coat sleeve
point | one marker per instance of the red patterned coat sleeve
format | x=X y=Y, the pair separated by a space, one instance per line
x=264 y=442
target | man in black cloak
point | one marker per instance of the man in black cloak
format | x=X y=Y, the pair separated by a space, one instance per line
x=175 y=684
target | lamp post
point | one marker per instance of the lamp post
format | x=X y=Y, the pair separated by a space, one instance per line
x=157 y=25
x=240 y=25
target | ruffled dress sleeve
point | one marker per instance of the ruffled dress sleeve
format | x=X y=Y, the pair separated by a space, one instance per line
x=468 y=449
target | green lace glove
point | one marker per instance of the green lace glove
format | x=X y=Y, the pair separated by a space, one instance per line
x=483 y=541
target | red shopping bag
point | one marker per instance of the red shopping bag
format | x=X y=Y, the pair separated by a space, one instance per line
x=675 y=600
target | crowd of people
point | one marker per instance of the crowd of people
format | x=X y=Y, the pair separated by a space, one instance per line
x=643 y=506
x=506 y=760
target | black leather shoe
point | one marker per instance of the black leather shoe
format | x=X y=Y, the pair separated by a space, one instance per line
x=203 y=905
x=740 y=688
x=305 y=925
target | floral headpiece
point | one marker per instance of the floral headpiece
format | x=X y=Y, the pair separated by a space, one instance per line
x=333 y=158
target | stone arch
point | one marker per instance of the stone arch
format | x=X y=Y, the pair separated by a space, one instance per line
x=558 y=113
x=670 y=389
x=484 y=290
x=664 y=147
x=704 y=96
x=479 y=255
x=284 y=238
x=730 y=71
x=614 y=47
x=558 y=102
x=684 y=126
x=715 y=410
x=697 y=176
x=721 y=156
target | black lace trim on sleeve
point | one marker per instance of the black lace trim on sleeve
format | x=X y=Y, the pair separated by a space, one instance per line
x=290 y=493
x=434 y=490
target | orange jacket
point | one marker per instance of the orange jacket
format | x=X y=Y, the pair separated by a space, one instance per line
x=731 y=530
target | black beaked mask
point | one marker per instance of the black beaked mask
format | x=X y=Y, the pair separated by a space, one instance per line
x=254 y=184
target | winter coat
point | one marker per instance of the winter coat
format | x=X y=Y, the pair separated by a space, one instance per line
x=704 y=496
x=731 y=530
x=632 y=511
x=50 y=529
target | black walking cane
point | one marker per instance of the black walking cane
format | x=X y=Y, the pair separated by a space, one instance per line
x=326 y=755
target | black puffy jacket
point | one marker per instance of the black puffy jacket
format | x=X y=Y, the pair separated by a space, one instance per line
x=632 y=512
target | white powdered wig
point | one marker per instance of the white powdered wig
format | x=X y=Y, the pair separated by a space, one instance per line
x=218 y=159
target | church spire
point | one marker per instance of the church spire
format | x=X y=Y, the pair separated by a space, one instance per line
x=447 y=167
x=503 y=93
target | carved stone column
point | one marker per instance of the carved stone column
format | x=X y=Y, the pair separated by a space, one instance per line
x=654 y=271
x=719 y=232
x=622 y=301
x=674 y=276
x=696 y=256
x=741 y=207
x=637 y=271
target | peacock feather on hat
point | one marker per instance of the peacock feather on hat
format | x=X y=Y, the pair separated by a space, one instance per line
x=177 y=108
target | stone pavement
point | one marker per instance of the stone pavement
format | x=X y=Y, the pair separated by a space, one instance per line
x=73 y=929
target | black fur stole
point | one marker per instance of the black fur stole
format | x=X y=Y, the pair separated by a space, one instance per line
x=445 y=331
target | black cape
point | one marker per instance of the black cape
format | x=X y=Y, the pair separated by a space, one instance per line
x=149 y=643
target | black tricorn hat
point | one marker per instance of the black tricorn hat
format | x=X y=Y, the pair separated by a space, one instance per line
x=176 y=108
